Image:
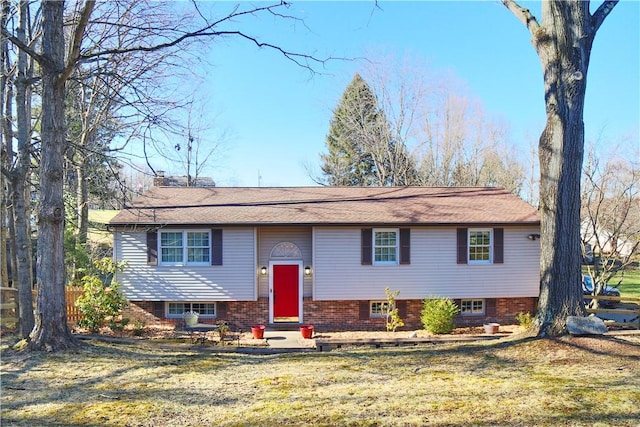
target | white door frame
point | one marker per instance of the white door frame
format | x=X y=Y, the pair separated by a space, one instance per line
x=300 y=285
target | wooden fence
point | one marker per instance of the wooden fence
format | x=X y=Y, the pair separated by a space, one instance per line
x=631 y=307
x=9 y=305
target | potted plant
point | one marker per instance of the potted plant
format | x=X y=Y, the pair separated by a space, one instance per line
x=306 y=331
x=491 y=328
x=258 y=331
x=190 y=318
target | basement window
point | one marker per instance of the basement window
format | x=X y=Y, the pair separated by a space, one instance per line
x=472 y=307
x=204 y=309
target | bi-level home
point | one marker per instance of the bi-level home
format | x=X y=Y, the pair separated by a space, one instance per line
x=324 y=255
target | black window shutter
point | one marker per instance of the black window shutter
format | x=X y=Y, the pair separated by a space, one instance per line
x=364 y=310
x=498 y=245
x=401 y=305
x=221 y=310
x=152 y=248
x=216 y=246
x=462 y=245
x=367 y=244
x=405 y=246
x=458 y=303
x=490 y=307
x=157 y=308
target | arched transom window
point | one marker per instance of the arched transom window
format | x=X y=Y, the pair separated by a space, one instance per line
x=286 y=250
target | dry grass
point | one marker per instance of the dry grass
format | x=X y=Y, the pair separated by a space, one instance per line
x=569 y=381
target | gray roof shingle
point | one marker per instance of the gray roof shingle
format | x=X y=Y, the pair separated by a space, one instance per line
x=327 y=205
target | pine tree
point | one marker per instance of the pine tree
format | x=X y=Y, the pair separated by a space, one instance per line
x=348 y=161
x=362 y=148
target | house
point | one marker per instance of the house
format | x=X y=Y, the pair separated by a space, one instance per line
x=324 y=255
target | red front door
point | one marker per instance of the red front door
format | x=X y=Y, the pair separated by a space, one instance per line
x=286 y=293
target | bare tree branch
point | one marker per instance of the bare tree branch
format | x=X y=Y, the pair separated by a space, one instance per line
x=602 y=12
x=24 y=47
x=524 y=15
x=299 y=59
x=76 y=42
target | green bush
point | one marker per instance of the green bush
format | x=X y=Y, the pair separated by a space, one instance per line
x=138 y=328
x=437 y=315
x=524 y=319
x=117 y=324
x=100 y=301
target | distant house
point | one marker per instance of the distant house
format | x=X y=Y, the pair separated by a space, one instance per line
x=324 y=255
x=602 y=241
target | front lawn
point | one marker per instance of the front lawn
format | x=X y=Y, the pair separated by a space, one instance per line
x=630 y=286
x=568 y=381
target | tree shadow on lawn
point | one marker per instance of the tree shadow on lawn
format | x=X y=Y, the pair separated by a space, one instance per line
x=142 y=376
x=161 y=365
x=604 y=345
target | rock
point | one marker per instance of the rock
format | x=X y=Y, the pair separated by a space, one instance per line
x=413 y=334
x=591 y=325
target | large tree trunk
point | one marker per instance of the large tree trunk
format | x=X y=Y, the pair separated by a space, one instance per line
x=20 y=189
x=5 y=141
x=565 y=60
x=563 y=43
x=51 y=331
x=22 y=277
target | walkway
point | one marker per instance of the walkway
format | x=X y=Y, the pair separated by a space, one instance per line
x=287 y=340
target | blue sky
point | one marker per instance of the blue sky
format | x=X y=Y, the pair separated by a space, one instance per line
x=277 y=114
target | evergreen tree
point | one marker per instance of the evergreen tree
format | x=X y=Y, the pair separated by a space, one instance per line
x=348 y=161
x=362 y=147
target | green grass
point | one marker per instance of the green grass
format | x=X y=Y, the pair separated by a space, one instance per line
x=630 y=286
x=530 y=382
x=102 y=216
x=97 y=232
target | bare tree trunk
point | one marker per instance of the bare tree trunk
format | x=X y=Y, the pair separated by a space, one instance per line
x=563 y=43
x=561 y=153
x=51 y=331
x=82 y=194
x=5 y=141
x=18 y=211
x=19 y=186
x=4 y=273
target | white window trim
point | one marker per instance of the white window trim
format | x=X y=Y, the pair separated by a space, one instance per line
x=480 y=262
x=184 y=247
x=472 y=300
x=373 y=246
x=179 y=316
x=373 y=315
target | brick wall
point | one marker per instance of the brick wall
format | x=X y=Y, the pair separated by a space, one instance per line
x=329 y=315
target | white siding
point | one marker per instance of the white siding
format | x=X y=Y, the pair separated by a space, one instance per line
x=339 y=275
x=235 y=280
x=268 y=237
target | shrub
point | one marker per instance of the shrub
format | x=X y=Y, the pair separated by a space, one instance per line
x=100 y=301
x=138 y=328
x=118 y=325
x=525 y=319
x=437 y=315
x=223 y=329
x=394 y=321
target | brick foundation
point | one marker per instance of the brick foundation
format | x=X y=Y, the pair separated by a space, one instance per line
x=330 y=315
